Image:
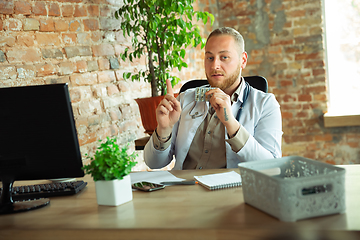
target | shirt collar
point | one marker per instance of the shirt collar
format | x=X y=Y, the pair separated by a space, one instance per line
x=239 y=92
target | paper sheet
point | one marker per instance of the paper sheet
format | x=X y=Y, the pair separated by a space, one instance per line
x=154 y=177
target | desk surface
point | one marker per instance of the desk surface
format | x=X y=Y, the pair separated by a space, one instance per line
x=180 y=211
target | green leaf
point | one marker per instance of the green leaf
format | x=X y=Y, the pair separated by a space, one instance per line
x=182 y=53
x=110 y=162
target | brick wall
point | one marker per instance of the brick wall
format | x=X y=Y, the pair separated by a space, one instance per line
x=46 y=42
x=78 y=42
x=75 y=41
x=284 y=40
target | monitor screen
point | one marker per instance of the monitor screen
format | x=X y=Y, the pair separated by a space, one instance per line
x=38 y=138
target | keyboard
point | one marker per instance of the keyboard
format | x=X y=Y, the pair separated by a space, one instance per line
x=47 y=190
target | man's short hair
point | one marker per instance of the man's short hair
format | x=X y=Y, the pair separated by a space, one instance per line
x=239 y=40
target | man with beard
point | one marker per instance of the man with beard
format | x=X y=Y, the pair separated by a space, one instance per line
x=237 y=124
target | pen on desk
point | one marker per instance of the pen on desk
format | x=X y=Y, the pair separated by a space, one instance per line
x=180 y=183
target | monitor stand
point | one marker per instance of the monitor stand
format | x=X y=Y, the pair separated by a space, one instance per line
x=7 y=205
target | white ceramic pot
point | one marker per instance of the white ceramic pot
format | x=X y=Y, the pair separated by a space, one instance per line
x=114 y=192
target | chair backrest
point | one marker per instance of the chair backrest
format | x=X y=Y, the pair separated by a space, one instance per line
x=257 y=82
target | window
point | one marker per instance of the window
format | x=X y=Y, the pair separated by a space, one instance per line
x=342 y=34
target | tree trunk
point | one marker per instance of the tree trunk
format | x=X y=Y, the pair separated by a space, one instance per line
x=154 y=91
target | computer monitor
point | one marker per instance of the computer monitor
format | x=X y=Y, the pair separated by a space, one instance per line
x=38 y=139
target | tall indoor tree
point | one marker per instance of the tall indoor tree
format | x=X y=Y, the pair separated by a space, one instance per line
x=161 y=30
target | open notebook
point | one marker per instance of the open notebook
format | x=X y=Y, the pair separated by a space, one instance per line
x=219 y=180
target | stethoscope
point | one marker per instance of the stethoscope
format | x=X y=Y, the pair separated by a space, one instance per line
x=246 y=94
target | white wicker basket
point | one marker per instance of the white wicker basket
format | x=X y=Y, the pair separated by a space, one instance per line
x=293 y=188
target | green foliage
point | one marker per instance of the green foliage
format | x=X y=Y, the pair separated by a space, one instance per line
x=110 y=162
x=161 y=30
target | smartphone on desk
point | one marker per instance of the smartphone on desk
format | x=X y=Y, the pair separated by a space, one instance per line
x=147 y=186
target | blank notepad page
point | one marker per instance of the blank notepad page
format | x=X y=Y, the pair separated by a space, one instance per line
x=219 y=180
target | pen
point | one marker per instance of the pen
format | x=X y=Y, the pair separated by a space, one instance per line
x=180 y=183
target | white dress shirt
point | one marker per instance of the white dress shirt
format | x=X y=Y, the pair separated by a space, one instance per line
x=260 y=118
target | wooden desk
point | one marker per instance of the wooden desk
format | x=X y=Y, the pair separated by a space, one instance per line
x=177 y=212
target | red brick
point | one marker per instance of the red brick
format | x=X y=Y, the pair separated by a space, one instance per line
x=314 y=64
x=320 y=97
x=96 y=36
x=23 y=55
x=315 y=89
x=105 y=11
x=80 y=11
x=294 y=123
x=54 y=9
x=103 y=50
x=91 y=24
x=313 y=21
x=317 y=72
x=302 y=114
x=46 y=69
x=87 y=138
x=57 y=80
x=296 y=13
x=104 y=64
x=285 y=83
x=289 y=98
x=39 y=8
x=31 y=24
x=47 y=25
x=25 y=40
x=6 y=7
x=99 y=91
x=61 y=26
x=69 y=38
x=106 y=76
x=283 y=42
x=1 y=25
x=112 y=89
x=83 y=79
x=324 y=137
x=12 y=25
x=275 y=49
x=67 y=10
x=300 y=31
x=304 y=98
x=292 y=49
x=74 y=26
x=81 y=66
x=8 y=41
x=75 y=95
x=353 y=144
x=285 y=115
x=307 y=56
x=47 y=39
x=93 y=10
x=7 y=72
x=22 y=8
x=66 y=68
x=124 y=86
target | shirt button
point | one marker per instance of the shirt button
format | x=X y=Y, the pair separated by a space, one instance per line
x=206 y=151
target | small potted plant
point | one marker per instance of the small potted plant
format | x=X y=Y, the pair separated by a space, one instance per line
x=110 y=168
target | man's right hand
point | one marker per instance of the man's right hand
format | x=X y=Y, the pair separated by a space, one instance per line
x=167 y=113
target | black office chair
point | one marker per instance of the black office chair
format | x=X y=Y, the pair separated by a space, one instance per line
x=257 y=82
